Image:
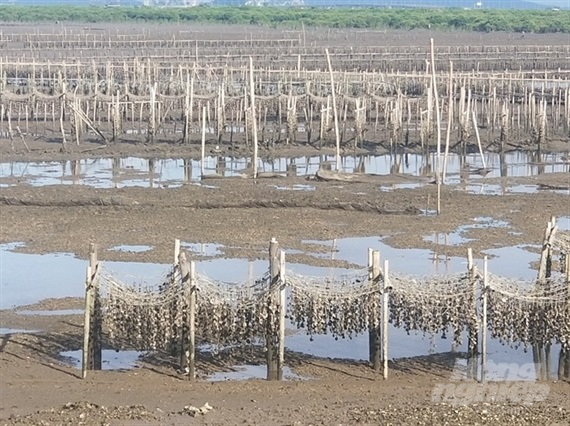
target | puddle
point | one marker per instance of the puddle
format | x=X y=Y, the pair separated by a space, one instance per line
x=135 y=171
x=203 y=249
x=447 y=239
x=494 y=189
x=204 y=185
x=456 y=238
x=297 y=187
x=131 y=249
x=56 y=312
x=8 y=331
x=111 y=360
x=510 y=261
x=249 y=372
x=53 y=275
x=563 y=223
x=355 y=251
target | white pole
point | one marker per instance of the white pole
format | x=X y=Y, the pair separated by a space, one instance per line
x=253 y=120
x=335 y=112
x=478 y=138
x=202 y=166
x=438 y=119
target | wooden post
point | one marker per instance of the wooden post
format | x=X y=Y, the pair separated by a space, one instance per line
x=192 y=323
x=97 y=314
x=188 y=349
x=272 y=352
x=371 y=333
x=546 y=250
x=282 y=312
x=87 y=324
x=253 y=119
x=484 y=323
x=91 y=357
x=385 y=322
x=335 y=112
x=176 y=251
x=564 y=359
x=472 y=345
x=375 y=331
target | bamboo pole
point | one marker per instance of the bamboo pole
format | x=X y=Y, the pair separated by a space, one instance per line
x=335 y=112
x=478 y=138
x=85 y=118
x=449 y=119
x=203 y=150
x=438 y=124
x=152 y=121
x=253 y=120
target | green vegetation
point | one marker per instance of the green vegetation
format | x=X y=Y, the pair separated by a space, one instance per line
x=443 y=19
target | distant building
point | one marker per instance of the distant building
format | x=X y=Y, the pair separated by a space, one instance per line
x=479 y=5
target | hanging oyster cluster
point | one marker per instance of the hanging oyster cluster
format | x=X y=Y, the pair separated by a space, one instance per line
x=525 y=315
x=143 y=317
x=342 y=307
x=229 y=314
x=433 y=305
x=148 y=317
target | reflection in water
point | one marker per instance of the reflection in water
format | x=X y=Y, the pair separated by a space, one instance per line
x=132 y=171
